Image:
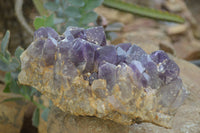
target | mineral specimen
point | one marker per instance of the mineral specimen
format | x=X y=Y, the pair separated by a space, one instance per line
x=83 y=75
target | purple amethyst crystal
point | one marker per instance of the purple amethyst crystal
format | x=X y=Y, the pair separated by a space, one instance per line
x=124 y=46
x=121 y=55
x=85 y=76
x=83 y=53
x=168 y=70
x=106 y=54
x=45 y=33
x=49 y=51
x=136 y=53
x=39 y=45
x=93 y=35
x=96 y=35
x=107 y=71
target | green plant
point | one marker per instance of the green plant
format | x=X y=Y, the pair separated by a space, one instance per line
x=68 y=13
x=80 y=12
x=11 y=65
x=143 y=11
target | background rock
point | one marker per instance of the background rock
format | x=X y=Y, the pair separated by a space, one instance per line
x=42 y=127
x=11 y=113
x=60 y=122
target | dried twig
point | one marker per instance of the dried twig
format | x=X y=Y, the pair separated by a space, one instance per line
x=20 y=17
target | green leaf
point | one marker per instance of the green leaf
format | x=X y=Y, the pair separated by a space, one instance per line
x=143 y=11
x=52 y=6
x=4 y=43
x=91 y=4
x=33 y=91
x=12 y=99
x=14 y=64
x=36 y=117
x=14 y=88
x=15 y=74
x=49 y=22
x=18 y=52
x=58 y=20
x=7 y=88
x=8 y=78
x=72 y=12
x=88 y=18
x=77 y=3
x=41 y=106
x=7 y=55
x=4 y=63
x=50 y=103
x=44 y=22
x=8 y=65
x=45 y=114
x=26 y=92
x=38 y=22
x=72 y=22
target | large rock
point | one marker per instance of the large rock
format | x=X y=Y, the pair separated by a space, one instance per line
x=186 y=120
x=59 y=121
x=83 y=75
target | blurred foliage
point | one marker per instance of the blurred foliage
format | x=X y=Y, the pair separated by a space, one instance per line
x=81 y=12
x=68 y=13
x=44 y=22
x=143 y=11
x=11 y=65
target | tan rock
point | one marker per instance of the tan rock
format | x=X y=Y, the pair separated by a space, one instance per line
x=112 y=15
x=139 y=23
x=177 y=29
x=11 y=113
x=149 y=39
x=63 y=122
x=187 y=49
x=186 y=120
x=167 y=47
x=42 y=127
x=2 y=76
x=174 y=5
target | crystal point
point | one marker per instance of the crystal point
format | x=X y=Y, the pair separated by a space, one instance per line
x=45 y=33
x=107 y=71
x=106 y=54
x=136 y=53
x=124 y=46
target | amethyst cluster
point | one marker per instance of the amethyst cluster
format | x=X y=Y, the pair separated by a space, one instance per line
x=88 y=51
x=84 y=75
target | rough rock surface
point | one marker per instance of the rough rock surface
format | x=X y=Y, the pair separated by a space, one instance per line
x=83 y=75
x=186 y=120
